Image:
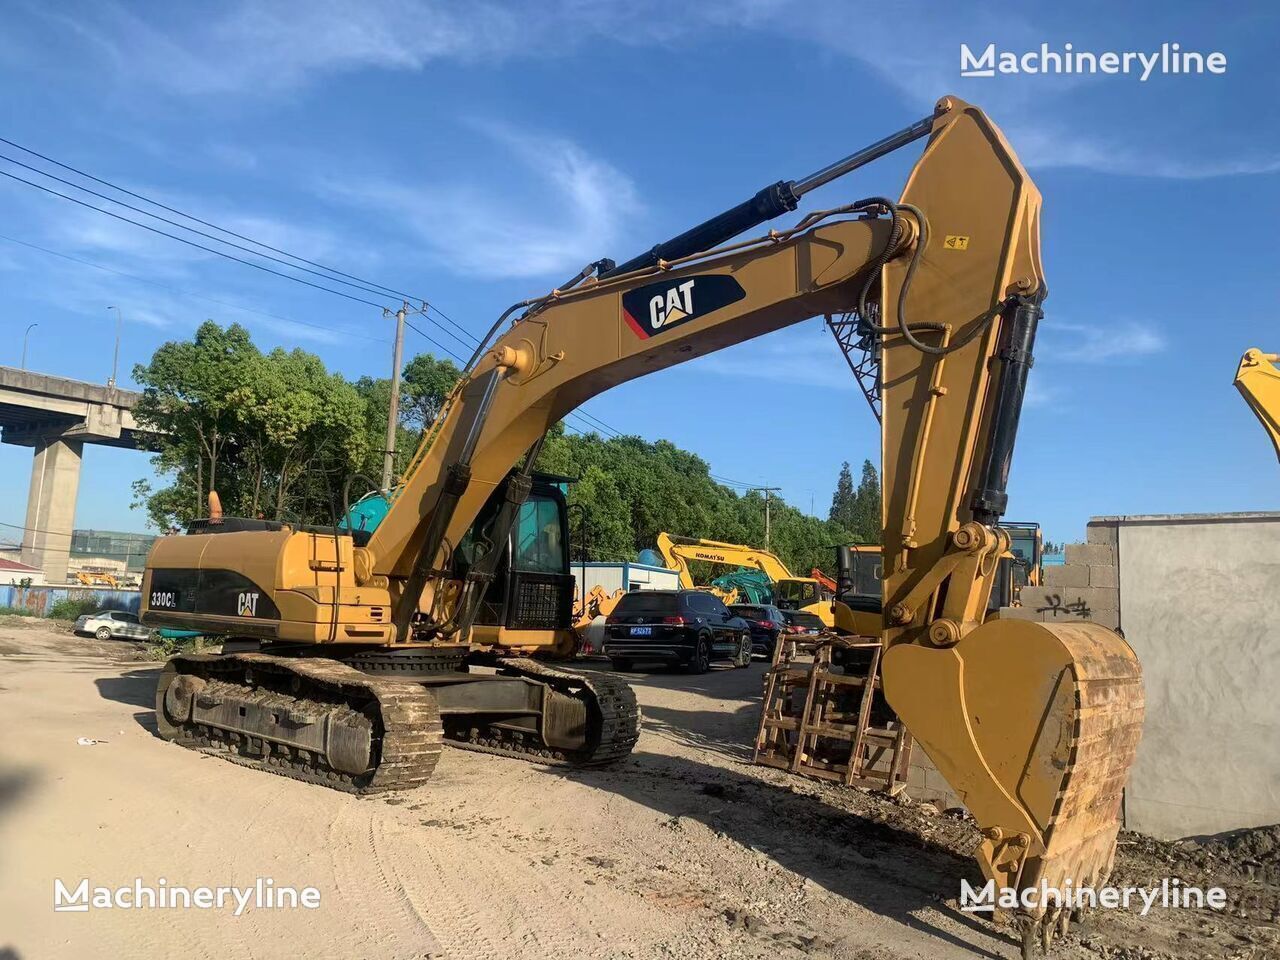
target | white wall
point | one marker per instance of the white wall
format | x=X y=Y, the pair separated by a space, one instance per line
x=1200 y=603
x=611 y=576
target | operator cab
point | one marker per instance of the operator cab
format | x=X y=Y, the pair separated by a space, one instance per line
x=858 y=577
x=798 y=593
x=532 y=588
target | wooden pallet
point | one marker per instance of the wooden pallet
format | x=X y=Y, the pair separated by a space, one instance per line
x=816 y=717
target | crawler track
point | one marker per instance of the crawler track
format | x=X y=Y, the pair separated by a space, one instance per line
x=613 y=719
x=400 y=720
x=291 y=716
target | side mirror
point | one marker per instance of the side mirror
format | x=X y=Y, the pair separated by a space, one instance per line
x=845 y=558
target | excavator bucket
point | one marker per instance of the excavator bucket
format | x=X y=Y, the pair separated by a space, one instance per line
x=1035 y=725
x=1258 y=381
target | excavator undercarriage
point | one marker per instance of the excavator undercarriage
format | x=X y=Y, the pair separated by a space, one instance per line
x=368 y=725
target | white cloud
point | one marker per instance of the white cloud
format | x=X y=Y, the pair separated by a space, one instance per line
x=262 y=48
x=1087 y=343
x=1040 y=393
x=807 y=357
x=497 y=230
x=1043 y=147
x=255 y=49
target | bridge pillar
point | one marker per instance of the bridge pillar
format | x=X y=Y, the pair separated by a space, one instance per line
x=51 y=506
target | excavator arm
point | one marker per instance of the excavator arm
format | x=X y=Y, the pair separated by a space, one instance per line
x=679 y=552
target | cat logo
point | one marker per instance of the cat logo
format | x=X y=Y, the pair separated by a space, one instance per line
x=658 y=307
x=674 y=307
x=247 y=605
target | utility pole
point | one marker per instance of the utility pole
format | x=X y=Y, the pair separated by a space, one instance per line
x=115 y=360
x=24 y=344
x=393 y=409
x=766 y=491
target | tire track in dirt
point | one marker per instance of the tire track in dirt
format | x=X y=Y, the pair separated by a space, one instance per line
x=459 y=926
x=390 y=925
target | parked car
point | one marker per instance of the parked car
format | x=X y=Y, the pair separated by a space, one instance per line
x=688 y=628
x=802 y=624
x=766 y=622
x=112 y=624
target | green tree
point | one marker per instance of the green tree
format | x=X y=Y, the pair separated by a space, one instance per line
x=865 y=513
x=842 y=501
x=274 y=434
x=188 y=401
x=426 y=383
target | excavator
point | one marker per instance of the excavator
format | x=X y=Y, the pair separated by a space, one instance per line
x=788 y=591
x=1258 y=380
x=363 y=654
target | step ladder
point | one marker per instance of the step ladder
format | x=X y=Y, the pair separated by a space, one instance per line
x=816 y=719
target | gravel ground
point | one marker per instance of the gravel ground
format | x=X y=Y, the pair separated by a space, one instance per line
x=685 y=850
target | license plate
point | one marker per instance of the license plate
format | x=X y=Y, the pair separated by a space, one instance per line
x=642 y=631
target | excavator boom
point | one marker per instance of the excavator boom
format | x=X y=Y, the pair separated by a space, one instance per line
x=1034 y=724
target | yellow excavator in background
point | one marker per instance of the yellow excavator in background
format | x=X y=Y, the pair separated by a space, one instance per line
x=597 y=602
x=1258 y=381
x=360 y=646
x=789 y=591
x=97 y=578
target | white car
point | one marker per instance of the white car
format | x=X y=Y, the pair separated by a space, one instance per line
x=112 y=624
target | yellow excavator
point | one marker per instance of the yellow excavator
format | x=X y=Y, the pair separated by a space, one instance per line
x=1258 y=380
x=790 y=592
x=361 y=647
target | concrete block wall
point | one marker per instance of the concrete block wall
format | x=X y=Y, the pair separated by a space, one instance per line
x=926 y=785
x=1085 y=587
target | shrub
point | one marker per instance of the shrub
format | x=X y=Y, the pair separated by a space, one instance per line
x=69 y=608
x=16 y=612
x=162 y=648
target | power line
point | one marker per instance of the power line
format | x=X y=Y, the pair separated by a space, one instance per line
x=457 y=326
x=367 y=284
x=604 y=426
x=734 y=483
x=188 y=216
x=470 y=339
x=432 y=340
x=59 y=533
x=591 y=427
x=183 y=226
x=185 y=293
x=192 y=243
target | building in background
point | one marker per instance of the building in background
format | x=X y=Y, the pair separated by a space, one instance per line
x=13 y=572
x=125 y=553
x=623 y=575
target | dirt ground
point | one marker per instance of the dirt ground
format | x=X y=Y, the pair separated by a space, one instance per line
x=684 y=851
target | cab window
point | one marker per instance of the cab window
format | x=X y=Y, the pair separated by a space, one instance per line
x=539 y=537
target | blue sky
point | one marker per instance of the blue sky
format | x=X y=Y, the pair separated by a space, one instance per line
x=478 y=153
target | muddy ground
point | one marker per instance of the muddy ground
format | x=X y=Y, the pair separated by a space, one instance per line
x=686 y=850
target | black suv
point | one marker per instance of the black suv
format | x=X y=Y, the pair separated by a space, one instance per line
x=686 y=627
x=766 y=623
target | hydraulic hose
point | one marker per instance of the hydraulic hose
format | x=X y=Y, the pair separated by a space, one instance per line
x=909 y=330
